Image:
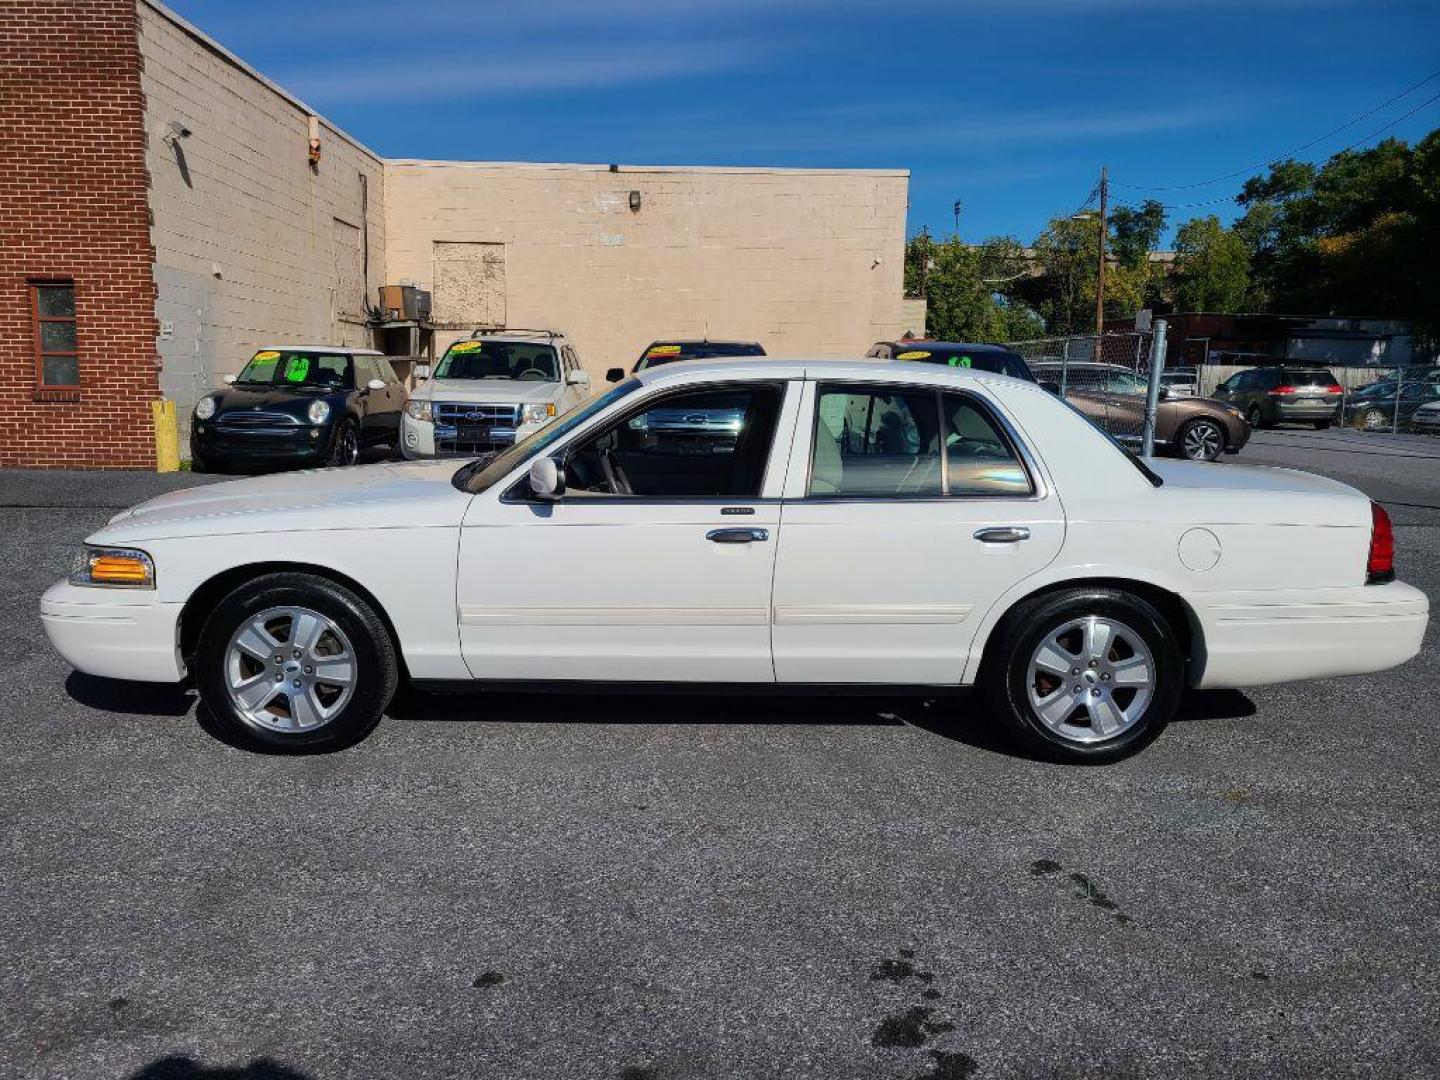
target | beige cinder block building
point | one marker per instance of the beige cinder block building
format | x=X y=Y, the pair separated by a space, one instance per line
x=805 y=261
x=263 y=223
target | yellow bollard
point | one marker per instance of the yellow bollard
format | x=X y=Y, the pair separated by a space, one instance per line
x=167 y=438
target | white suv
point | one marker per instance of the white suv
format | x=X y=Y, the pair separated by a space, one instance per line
x=491 y=390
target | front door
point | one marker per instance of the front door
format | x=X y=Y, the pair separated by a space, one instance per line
x=915 y=512
x=654 y=566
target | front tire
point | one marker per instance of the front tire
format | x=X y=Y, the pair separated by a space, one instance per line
x=1374 y=420
x=1256 y=418
x=1201 y=440
x=1084 y=675
x=296 y=663
x=347 y=445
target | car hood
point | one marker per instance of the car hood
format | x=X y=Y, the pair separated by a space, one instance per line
x=239 y=398
x=485 y=391
x=401 y=495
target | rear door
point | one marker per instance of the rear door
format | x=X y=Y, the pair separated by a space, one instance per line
x=908 y=512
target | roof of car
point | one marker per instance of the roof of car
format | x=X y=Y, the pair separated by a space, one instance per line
x=800 y=367
x=349 y=350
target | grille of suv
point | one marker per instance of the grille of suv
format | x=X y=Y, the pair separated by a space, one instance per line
x=463 y=427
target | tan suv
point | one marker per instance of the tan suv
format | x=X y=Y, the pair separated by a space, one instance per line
x=1114 y=397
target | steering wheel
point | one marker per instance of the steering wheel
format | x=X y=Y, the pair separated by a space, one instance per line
x=534 y=374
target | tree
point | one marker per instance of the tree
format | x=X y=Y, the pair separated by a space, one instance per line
x=1212 y=267
x=1134 y=282
x=965 y=288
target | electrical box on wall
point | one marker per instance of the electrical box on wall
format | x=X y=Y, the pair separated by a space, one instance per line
x=404 y=302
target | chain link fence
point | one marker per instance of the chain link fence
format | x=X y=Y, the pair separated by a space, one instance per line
x=1105 y=377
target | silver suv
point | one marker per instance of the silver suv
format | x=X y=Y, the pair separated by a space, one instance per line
x=490 y=390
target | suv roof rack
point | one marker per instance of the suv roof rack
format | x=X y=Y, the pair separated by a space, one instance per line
x=551 y=334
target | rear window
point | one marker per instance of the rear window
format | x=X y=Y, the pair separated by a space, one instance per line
x=1309 y=376
x=667 y=352
x=1001 y=363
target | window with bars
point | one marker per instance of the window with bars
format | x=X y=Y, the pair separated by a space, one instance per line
x=57 y=358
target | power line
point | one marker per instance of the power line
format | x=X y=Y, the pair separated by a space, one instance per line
x=1363 y=139
x=1297 y=150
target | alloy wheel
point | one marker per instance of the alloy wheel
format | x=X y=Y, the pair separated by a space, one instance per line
x=1374 y=420
x=1202 y=441
x=1091 y=679
x=289 y=669
x=349 y=446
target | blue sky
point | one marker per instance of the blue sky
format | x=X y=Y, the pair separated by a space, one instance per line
x=1010 y=106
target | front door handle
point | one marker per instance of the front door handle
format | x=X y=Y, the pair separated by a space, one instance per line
x=1003 y=534
x=737 y=536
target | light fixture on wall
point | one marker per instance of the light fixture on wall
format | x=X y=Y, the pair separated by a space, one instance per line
x=175 y=133
x=635 y=201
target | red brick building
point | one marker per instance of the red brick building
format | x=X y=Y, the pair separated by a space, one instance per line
x=77 y=297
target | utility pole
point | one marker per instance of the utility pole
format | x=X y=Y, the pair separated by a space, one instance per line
x=1100 y=269
x=956 y=208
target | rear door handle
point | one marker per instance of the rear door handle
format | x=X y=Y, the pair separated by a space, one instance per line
x=737 y=536
x=1004 y=534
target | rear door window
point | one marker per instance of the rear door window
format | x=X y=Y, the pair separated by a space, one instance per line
x=876 y=443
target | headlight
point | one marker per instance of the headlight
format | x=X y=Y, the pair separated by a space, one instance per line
x=125 y=568
x=538 y=414
x=205 y=408
x=318 y=412
x=418 y=409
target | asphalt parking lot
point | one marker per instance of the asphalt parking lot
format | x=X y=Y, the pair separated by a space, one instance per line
x=652 y=888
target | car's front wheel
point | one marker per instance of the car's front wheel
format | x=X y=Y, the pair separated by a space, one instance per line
x=1256 y=417
x=1201 y=440
x=347 y=445
x=295 y=662
x=1085 y=675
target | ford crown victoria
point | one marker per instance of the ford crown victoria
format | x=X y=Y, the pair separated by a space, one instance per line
x=850 y=524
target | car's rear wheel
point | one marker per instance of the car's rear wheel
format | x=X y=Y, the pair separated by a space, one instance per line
x=347 y=445
x=1085 y=675
x=295 y=662
x=1201 y=440
x=1374 y=420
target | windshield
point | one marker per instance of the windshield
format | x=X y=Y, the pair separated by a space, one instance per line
x=481 y=473
x=1001 y=363
x=525 y=361
x=303 y=370
x=662 y=352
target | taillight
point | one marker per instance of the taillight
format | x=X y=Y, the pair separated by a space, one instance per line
x=1282 y=390
x=1335 y=388
x=1380 y=567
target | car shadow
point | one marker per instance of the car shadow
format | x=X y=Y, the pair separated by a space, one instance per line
x=962 y=716
x=179 y=1067
x=124 y=696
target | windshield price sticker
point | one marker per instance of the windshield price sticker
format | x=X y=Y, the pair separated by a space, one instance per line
x=959 y=361
x=267 y=356
x=917 y=355
x=663 y=350
x=297 y=368
x=465 y=346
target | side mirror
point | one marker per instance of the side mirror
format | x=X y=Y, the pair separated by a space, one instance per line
x=615 y=374
x=375 y=384
x=547 y=479
x=420 y=371
x=229 y=380
x=578 y=378
x=1053 y=387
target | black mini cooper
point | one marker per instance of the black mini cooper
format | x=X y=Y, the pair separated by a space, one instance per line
x=298 y=405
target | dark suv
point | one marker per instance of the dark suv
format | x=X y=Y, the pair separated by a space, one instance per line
x=960 y=354
x=1283 y=395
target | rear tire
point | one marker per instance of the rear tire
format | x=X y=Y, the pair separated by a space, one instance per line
x=1085 y=675
x=1321 y=425
x=302 y=635
x=1374 y=420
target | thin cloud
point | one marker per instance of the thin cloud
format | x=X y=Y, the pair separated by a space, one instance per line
x=471 y=75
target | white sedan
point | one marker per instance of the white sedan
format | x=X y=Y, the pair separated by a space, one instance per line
x=788 y=523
